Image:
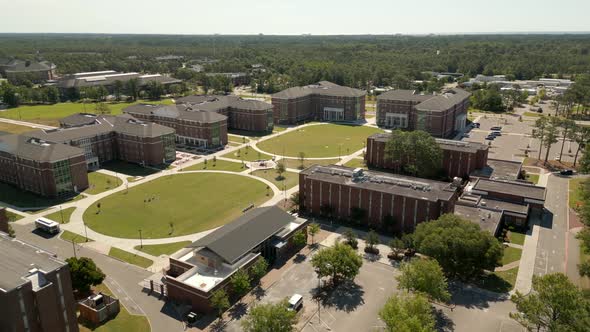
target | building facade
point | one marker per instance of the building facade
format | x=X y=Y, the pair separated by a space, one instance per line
x=323 y=101
x=441 y=115
x=460 y=158
x=390 y=202
x=35 y=290
x=17 y=71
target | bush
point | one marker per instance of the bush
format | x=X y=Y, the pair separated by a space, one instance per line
x=372 y=250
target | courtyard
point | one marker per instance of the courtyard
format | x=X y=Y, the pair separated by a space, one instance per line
x=175 y=205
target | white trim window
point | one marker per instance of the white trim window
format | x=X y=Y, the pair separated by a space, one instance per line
x=396 y=120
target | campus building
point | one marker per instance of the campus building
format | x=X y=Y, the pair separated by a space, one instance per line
x=390 y=202
x=107 y=79
x=35 y=290
x=195 y=127
x=55 y=162
x=207 y=264
x=242 y=114
x=323 y=101
x=460 y=158
x=20 y=70
x=441 y=115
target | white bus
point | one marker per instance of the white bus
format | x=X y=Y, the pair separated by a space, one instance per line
x=47 y=225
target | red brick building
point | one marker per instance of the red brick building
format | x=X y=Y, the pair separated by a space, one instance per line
x=460 y=158
x=323 y=101
x=441 y=115
x=384 y=201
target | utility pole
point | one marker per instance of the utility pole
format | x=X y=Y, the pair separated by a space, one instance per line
x=140 y=239
x=62 y=214
x=86 y=232
x=74 y=248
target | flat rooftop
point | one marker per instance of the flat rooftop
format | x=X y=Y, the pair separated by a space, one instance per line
x=499 y=170
x=486 y=219
x=400 y=185
x=510 y=188
x=21 y=263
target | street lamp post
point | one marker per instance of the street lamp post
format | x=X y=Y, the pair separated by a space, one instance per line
x=62 y=214
x=86 y=232
x=140 y=239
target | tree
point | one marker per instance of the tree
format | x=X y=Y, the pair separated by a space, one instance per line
x=415 y=153
x=313 y=229
x=9 y=95
x=424 y=276
x=551 y=134
x=51 y=94
x=270 y=317
x=460 y=246
x=280 y=170
x=408 y=313
x=132 y=88
x=155 y=89
x=240 y=282
x=489 y=100
x=397 y=246
x=580 y=135
x=539 y=132
x=84 y=273
x=299 y=238
x=584 y=269
x=372 y=239
x=339 y=262
x=117 y=89
x=259 y=269
x=555 y=304
x=295 y=199
x=220 y=301
x=567 y=127
x=585 y=160
x=350 y=238
x=214 y=161
x=301 y=156
x=102 y=109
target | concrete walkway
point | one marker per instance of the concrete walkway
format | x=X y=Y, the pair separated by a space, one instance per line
x=26 y=124
x=526 y=265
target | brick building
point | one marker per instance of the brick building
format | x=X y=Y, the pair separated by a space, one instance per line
x=55 y=162
x=390 y=202
x=16 y=70
x=207 y=264
x=460 y=158
x=323 y=101
x=441 y=115
x=193 y=126
x=35 y=290
x=242 y=114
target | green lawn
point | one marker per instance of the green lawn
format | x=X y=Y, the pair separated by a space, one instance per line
x=500 y=282
x=126 y=168
x=247 y=154
x=13 y=216
x=24 y=199
x=516 y=237
x=534 y=178
x=575 y=192
x=57 y=216
x=76 y=238
x=50 y=114
x=124 y=321
x=278 y=129
x=326 y=140
x=163 y=249
x=130 y=258
x=220 y=165
x=296 y=163
x=237 y=139
x=100 y=182
x=355 y=163
x=511 y=255
x=13 y=128
x=290 y=179
x=535 y=114
x=191 y=202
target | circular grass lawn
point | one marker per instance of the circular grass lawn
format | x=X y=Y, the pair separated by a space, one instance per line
x=325 y=140
x=175 y=205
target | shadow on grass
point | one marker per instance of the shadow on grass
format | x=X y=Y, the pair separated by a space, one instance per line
x=128 y=168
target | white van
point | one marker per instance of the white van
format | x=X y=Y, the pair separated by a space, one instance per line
x=295 y=302
x=46 y=225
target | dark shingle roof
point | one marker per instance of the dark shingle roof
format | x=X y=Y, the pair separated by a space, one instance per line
x=28 y=147
x=182 y=112
x=404 y=95
x=232 y=241
x=323 y=88
x=428 y=102
x=216 y=103
x=79 y=119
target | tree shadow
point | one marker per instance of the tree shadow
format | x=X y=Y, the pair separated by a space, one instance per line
x=239 y=310
x=259 y=292
x=473 y=297
x=346 y=296
x=300 y=258
x=371 y=257
x=217 y=326
x=443 y=322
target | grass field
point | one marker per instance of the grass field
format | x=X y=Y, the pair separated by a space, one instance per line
x=163 y=249
x=296 y=163
x=13 y=216
x=100 y=182
x=13 y=128
x=247 y=154
x=500 y=282
x=130 y=258
x=124 y=321
x=355 y=163
x=126 y=168
x=24 y=199
x=533 y=114
x=57 y=216
x=511 y=255
x=290 y=179
x=50 y=114
x=237 y=139
x=220 y=165
x=516 y=237
x=76 y=238
x=534 y=178
x=326 y=140
x=182 y=204
x=575 y=192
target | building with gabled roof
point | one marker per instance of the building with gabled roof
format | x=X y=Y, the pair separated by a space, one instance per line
x=35 y=71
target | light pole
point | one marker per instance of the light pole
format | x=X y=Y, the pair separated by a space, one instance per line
x=140 y=239
x=74 y=248
x=62 y=214
x=86 y=231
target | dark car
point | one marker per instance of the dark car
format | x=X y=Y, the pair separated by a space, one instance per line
x=490 y=137
x=566 y=172
x=498 y=128
x=475 y=124
x=496 y=133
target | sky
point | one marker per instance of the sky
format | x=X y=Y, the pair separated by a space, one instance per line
x=289 y=17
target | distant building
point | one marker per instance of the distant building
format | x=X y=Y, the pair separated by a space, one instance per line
x=551 y=85
x=35 y=71
x=323 y=101
x=237 y=79
x=107 y=78
x=460 y=158
x=390 y=202
x=35 y=290
x=440 y=115
x=207 y=265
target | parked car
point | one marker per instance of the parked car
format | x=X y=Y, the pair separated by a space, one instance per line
x=475 y=124
x=295 y=302
x=496 y=128
x=496 y=133
x=566 y=172
x=490 y=137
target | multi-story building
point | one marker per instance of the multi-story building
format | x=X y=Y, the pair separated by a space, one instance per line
x=193 y=126
x=35 y=290
x=242 y=114
x=55 y=162
x=35 y=71
x=390 y=202
x=323 y=101
x=207 y=264
x=441 y=115
x=107 y=79
x=460 y=158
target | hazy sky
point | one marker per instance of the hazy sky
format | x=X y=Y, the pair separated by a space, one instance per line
x=293 y=17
